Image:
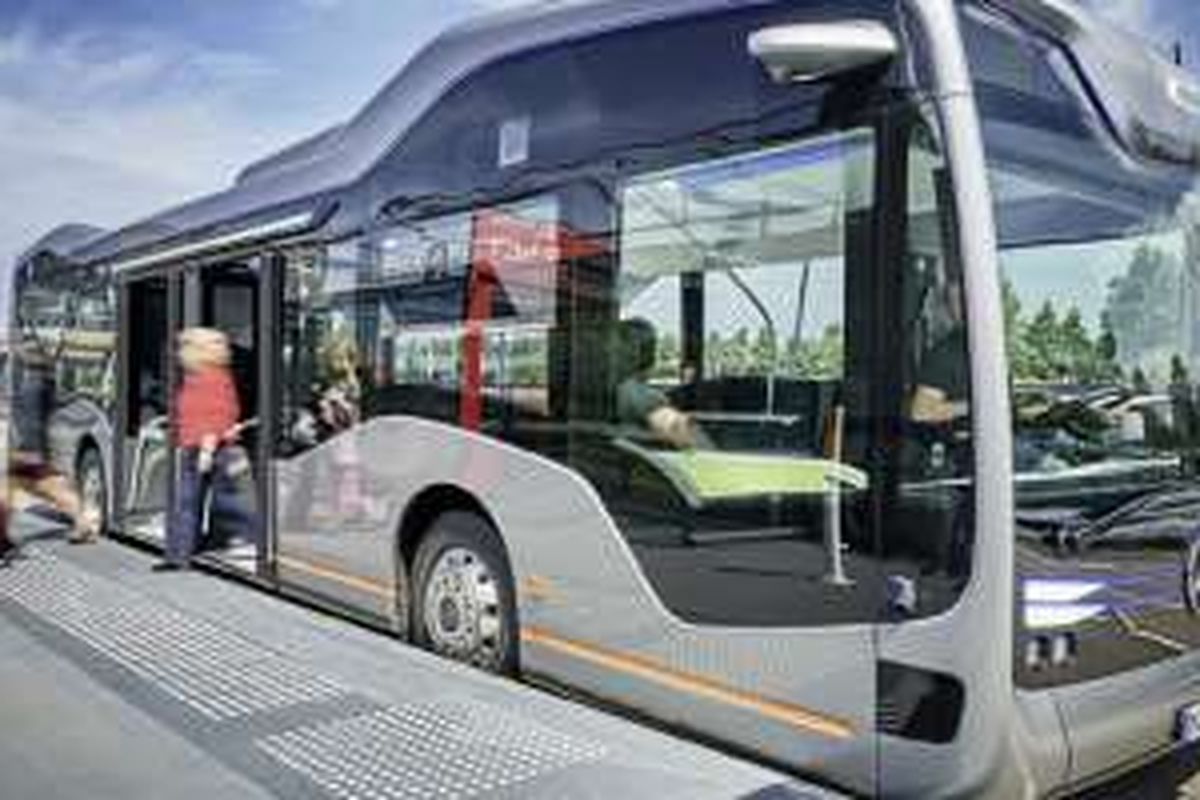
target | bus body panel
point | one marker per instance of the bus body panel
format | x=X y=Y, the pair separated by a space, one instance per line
x=588 y=617
x=1127 y=718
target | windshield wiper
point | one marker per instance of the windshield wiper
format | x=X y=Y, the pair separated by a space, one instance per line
x=1185 y=497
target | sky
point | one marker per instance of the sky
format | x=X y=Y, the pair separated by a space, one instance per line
x=111 y=110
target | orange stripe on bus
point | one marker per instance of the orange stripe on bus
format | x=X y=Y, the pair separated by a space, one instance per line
x=699 y=686
x=337 y=576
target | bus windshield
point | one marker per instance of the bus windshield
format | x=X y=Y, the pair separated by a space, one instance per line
x=1100 y=263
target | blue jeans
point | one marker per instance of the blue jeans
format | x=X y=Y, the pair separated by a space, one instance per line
x=226 y=510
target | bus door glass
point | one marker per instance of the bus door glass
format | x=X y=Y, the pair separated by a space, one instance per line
x=334 y=339
x=146 y=338
x=225 y=297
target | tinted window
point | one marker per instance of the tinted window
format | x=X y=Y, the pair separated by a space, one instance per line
x=575 y=104
x=446 y=318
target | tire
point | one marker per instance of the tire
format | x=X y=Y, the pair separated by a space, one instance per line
x=92 y=487
x=464 y=607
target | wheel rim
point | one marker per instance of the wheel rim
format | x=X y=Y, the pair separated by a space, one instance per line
x=461 y=610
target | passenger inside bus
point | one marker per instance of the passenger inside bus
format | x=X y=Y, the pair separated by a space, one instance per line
x=641 y=404
x=942 y=379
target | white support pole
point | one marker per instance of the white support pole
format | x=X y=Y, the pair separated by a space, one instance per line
x=835 y=570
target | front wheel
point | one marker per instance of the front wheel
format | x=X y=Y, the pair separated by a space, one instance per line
x=465 y=608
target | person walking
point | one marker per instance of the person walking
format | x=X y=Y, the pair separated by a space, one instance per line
x=7 y=548
x=206 y=423
x=31 y=467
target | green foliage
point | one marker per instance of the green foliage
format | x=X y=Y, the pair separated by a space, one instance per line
x=819 y=358
x=1143 y=306
x=1140 y=326
x=667 y=359
x=1057 y=348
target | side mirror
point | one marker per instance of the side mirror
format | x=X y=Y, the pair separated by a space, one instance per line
x=808 y=52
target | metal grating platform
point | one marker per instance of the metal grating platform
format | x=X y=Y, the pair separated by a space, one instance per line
x=213 y=671
x=443 y=750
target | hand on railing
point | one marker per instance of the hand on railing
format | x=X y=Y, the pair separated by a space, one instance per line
x=234 y=433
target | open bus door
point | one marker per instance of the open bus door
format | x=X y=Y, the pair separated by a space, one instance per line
x=226 y=295
x=145 y=472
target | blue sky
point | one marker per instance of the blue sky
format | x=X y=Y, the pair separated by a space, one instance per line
x=113 y=109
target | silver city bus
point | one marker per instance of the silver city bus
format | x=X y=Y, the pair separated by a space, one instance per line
x=813 y=377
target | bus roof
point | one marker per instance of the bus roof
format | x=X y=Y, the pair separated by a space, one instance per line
x=299 y=181
x=306 y=174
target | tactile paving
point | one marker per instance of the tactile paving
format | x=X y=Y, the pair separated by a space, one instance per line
x=456 y=749
x=212 y=670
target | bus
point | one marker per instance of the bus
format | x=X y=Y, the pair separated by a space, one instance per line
x=814 y=378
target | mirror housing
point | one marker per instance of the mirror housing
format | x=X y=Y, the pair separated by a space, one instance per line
x=806 y=52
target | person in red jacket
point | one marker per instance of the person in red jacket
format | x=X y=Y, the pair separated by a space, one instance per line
x=206 y=420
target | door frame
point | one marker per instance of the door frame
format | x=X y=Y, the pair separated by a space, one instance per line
x=265 y=312
x=182 y=278
x=121 y=480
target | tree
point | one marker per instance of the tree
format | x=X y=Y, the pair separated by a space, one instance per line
x=1140 y=384
x=1043 y=338
x=667 y=357
x=762 y=353
x=1106 y=350
x=1020 y=355
x=1143 y=306
x=820 y=359
x=1076 y=351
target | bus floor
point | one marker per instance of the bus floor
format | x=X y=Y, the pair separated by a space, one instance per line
x=116 y=682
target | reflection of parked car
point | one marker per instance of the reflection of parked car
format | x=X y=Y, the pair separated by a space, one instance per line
x=1142 y=418
x=1119 y=515
x=1060 y=428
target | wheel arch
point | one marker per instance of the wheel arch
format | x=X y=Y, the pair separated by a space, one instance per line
x=416 y=521
x=430 y=503
x=87 y=441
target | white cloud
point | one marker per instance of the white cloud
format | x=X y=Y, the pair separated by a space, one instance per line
x=1140 y=17
x=1133 y=15
x=104 y=126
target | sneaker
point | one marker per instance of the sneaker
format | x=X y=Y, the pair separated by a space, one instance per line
x=170 y=566
x=87 y=529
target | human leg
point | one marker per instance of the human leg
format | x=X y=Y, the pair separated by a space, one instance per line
x=183 y=525
x=229 y=508
x=7 y=548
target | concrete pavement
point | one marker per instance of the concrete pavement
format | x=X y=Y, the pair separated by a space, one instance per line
x=116 y=682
